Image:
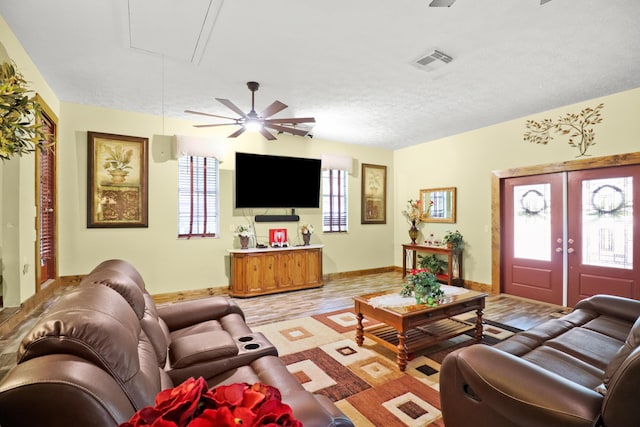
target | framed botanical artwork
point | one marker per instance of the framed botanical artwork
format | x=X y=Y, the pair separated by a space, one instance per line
x=117 y=193
x=374 y=194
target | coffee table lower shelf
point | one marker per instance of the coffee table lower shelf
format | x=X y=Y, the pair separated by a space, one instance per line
x=419 y=338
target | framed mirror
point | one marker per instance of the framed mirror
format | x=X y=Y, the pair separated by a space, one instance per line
x=438 y=204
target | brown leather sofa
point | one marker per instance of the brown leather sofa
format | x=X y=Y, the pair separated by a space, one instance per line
x=582 y=369
x=104 y=350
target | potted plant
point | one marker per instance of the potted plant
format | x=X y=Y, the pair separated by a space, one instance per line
x=433 y=263
x=424 y=286
x=453 y=239
x=19 y=131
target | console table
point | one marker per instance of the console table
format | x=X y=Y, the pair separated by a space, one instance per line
x=454 y=261
x=261 y=271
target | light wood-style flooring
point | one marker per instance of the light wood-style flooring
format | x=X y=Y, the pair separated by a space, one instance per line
x=336 y=294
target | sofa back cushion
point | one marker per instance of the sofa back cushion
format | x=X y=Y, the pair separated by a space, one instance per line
x=95 y=323
x=632 y=341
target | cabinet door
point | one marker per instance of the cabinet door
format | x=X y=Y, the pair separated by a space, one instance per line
x=291 y=269
x=260 y=273
x=314 y=266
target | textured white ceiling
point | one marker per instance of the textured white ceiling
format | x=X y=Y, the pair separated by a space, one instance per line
x=346 y=63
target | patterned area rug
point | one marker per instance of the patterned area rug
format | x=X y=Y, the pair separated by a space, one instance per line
x=365 y=382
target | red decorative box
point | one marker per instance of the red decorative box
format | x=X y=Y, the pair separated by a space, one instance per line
x=278 y=237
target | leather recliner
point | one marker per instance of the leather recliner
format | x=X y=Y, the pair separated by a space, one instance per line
x=581 y=370
x=104 y=350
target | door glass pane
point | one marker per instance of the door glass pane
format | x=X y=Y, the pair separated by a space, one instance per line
x=607 y=222
x=532 y=222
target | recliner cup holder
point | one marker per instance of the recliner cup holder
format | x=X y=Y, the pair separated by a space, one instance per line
x=251 y=346
x=245 y=339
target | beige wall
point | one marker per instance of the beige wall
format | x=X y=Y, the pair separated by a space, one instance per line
x=466 y=161
x=17 y=196
x=169 y=264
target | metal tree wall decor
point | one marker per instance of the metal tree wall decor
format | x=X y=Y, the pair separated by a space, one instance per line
x=577 y=126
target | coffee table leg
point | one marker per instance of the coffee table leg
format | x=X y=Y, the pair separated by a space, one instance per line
x=402 y=351
x=359 y=330
x=479 y=326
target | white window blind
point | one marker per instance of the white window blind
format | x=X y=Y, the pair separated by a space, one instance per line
x=334 y=200
x=198 y=202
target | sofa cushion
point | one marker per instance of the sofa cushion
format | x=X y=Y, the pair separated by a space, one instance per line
x=632 y=341
x=566 y=366
x=191 y=349
x=589 y=346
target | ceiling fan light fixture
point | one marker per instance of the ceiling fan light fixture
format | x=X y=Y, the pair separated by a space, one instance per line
x=253 y=124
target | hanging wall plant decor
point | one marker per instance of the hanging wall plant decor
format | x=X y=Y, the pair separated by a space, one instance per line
x=579 y=127
x=20 y=132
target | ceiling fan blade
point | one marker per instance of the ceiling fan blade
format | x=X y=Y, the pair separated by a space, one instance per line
x=272 y=109
x=232 y=106
x=292 y=120
x=299 y=132
x=208 y=114
x=267 y=134
x=213 y=125
x=237 y=133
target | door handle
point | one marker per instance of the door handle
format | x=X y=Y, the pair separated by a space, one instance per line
x=558 y=249
x=570 y=250
x=570 y=241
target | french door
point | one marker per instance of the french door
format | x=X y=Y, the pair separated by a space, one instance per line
x=570 y=235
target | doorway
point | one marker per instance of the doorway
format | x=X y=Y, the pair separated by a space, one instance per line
x=569 y=235
x=46 y=221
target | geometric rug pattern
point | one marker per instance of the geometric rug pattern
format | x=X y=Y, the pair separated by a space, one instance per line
x=365 y=382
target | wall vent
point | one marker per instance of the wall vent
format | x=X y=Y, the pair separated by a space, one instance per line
x=433 y=60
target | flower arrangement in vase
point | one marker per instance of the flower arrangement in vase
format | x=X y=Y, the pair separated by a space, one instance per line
x=191 y=404
x=413 y=215
x=424 y=286
x=244 y=232
x=306 y=230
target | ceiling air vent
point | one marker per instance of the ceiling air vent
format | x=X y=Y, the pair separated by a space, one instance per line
x=433 y=60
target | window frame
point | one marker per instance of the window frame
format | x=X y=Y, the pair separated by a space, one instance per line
x=199 y=175
x=340 y=182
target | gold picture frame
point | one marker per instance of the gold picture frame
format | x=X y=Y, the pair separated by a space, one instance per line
x=374 y=194
x=443 y=208
x=117 y=175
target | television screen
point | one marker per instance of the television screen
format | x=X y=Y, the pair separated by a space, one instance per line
x=264 y=181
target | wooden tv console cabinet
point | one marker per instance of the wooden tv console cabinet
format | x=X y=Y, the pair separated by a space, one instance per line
x=261 y=271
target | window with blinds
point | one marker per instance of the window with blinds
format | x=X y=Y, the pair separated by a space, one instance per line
x=198 y=202
x=334 y=201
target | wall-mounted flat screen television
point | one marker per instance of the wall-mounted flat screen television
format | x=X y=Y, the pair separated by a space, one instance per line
x=266 y=181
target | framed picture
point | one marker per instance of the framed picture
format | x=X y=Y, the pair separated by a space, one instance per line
x=374 y=194
x=117 y=193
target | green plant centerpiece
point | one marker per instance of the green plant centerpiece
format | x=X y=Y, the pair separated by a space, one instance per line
x=453 y=239
x=433 y=263
x=20 y=132
x=424 y=286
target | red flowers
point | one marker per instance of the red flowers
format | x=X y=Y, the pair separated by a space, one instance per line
x=191 y=405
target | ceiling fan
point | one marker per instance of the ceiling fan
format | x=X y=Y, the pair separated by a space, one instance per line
x=255 y=121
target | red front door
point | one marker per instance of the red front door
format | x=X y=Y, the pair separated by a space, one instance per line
x=602 y=235
x=533 y=232
x=570 y=235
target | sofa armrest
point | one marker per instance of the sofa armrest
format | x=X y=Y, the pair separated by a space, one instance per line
x=493 y=387
x=617 y=307
x=182 y=314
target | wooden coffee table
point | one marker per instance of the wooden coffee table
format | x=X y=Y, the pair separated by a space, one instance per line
x=405 y=330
